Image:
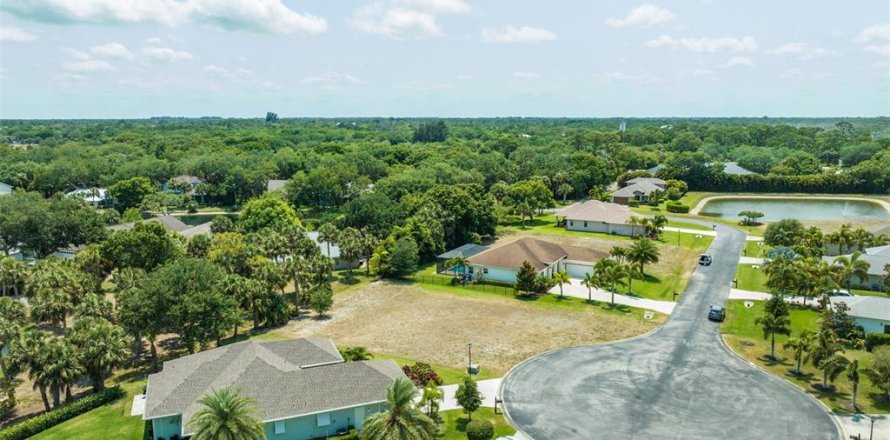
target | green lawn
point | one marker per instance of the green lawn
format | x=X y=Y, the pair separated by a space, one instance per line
x=546 y=225
x=746 y=339
x=688 y=225
x=750 y=278
x=112 y=421
x=756 y=249
x=449 y=375
x=454 y=423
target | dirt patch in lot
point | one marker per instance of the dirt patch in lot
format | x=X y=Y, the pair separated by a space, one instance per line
x=408 y=320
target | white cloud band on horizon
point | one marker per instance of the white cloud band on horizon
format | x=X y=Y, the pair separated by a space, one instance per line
x=512 y=34
x=643 y=15
x=16 y=35
x=709 y=45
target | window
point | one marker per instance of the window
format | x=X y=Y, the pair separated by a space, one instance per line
x=484 y=270
x=585 y=224
x=324 y=419
x=279 y=427
x=887 y=329
x=571 y=223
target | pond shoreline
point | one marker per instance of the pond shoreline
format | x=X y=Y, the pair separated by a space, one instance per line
x=703 y=202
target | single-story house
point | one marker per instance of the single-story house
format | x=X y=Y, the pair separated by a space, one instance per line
x=734 y=168
x=275 y=185
x=466 y=251
x=5 y=189
x=877 y=258
x=203 y=228
x=637 y=191
x=872 y=313
x=332 y=251
x=653 y=180
x=502 y=263
x=97 y=197
x=176 y=185
x=169 y=222
x=597 y=216
x=302 y=387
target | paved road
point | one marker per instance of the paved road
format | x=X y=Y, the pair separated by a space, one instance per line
x=679 y=382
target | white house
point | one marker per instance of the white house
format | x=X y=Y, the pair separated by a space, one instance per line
x=97 y=197
x=5 y=189
x=597 y=216
x=877 y=258
x=332 y=251
x=502 y=263
x=872 y=313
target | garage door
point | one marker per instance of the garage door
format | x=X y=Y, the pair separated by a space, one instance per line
x=578 y=270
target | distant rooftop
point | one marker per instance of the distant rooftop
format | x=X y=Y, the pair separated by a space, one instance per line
x=597 y=211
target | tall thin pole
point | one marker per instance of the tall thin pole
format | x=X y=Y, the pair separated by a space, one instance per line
x=469 y=356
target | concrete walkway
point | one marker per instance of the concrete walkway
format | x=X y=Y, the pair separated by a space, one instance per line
x=750 y=260
x=489 y=389
x=689 y=231
x=576 y=290
x=752 y=295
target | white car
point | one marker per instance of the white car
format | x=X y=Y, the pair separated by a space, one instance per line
x=840 y=292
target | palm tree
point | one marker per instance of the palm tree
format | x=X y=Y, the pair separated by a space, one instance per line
x=853 y=377
x=60 y=368
x=619 y=253
x=103 y=347
x=799 y=346
x=862 y=238
x=458 y=261
x=12 y=274
x=642 y=252
x=329 y=234
x=780 y=273
x=658 y=223
x=26 y=354
x=845 y=269
x=350 y=248
x=226 y=415
x=401 y=420
x=612 y=273
x=51 y=305
x=771 y=326
x=633 y=221
x=833 y=367
x=591 y=281
x=561 y=278
x=369 y=243
x=355 y=354
x=824 y=348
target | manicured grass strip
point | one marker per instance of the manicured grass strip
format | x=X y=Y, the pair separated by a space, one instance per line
x=103 y=415
x=750 y=278
x=454 y=423
x=449 y=375
x=746 y=339
x=756 y=249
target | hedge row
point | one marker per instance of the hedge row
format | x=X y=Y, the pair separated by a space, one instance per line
x=677 y=207
x=38 y=424
x=876 y=340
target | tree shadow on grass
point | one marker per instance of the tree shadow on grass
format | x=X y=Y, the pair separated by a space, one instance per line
x=461 y=424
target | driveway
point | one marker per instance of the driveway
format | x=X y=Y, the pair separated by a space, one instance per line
x=577 y=290
x=679 y=382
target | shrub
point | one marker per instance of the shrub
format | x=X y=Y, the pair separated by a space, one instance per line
x=677 y=208
x=633 y=203
x=421 y=374
x=876 y=340
x=480 y=430
x=45 y=421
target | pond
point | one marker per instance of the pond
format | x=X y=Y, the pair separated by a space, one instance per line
x=799 y=208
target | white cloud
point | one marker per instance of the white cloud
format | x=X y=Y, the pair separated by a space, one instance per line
x=880 y=50
x=15 y=35
x=330 y=80
x=738 y=61
x=76 y=54
x=166 y=54
x=113 y=50
x=791 y=74
x=644 y=15
x=87 y=66
x=526 y=75
x=215 y=70
x=405 y=18
x=801 y=51
x=269 y=16
x=712 y=45
x=875 y=32
x=153 y=40
x=512 y=34
x=702 y=72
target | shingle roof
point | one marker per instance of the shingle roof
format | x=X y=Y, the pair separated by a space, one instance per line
x=869 y=307
x=203 y=228
x=170 y=223
x=538 y=253
x=654 y=180
x=467 y=250
x=877 y=258
x=882 y=230
x=642 y=187
x=597 y=211
x=287 y=378
x=734 y=168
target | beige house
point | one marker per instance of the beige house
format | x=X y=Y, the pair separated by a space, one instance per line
x=597 y=216
x=502 y=263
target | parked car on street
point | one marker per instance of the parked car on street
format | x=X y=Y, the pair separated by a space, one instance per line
x=705 y=260
x=717 y=313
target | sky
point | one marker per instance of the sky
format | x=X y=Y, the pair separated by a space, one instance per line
x=443 y=58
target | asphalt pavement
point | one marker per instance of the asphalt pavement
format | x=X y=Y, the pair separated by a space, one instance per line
x=679 y=382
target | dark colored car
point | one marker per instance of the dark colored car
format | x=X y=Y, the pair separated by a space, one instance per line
x=717 y=313
x=704 y=260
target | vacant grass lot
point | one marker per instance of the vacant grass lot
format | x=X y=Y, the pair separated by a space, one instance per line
x=434 y=326
x=746 y=339
x=755 y=249
x=750 y=278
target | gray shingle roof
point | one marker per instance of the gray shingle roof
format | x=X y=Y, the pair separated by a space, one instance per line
x=287 y=378
x=644 y=187
x=170 y=223
x=869 y=307
x=275 y=184
x=654 y=180
x=597 y=211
